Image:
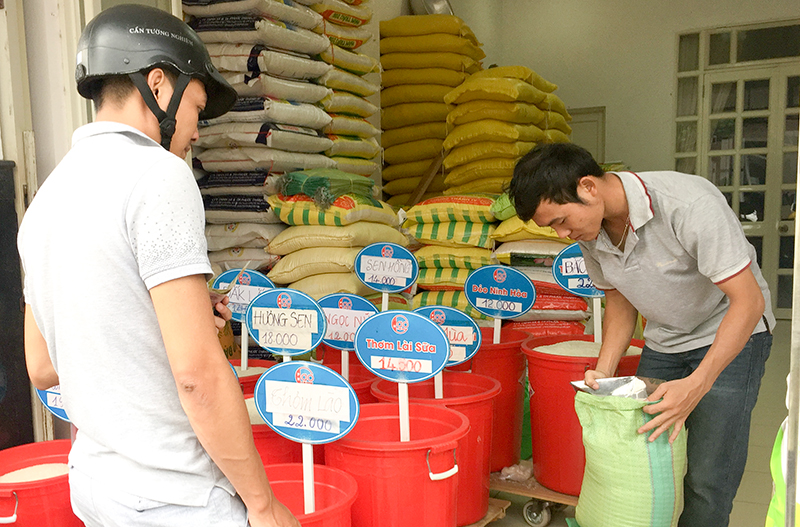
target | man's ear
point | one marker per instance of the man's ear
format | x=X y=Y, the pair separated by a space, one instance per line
x=156 y=80
x=588 y=184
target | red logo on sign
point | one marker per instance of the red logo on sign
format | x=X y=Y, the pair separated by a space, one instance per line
x=387 y=251
x=500 y=275
x=400 y=324
x=304 y=375
x=438 y=316
x=345 y=303
x=244 y=279
x=284 y=301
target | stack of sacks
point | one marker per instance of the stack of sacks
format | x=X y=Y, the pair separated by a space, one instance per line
x=423 y=57
x=456 y=233
x=500 y=114
x=355 y=146
x=320 y=247
x=531 y=249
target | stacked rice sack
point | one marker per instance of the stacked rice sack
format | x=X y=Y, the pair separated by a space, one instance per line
x=319 y=248
x=456 y=234
x=423 y=58
x=531 y=249
x=500 y=114
x=354 y=140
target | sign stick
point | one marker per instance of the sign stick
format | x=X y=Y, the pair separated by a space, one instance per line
x=497 y=324
x=346 y=365
x=597 y=319
x=244 y=344
x=308 y=477
x=402 y=392
x=384 y=301
x=438 y=386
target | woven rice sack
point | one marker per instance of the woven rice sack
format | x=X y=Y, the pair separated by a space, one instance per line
x=415 y=132
x=319 y=285
x=452 y=208
x=456 y=299
x=247 y=29
x=259 y=158
x=518 y=72
x=514 y=229
x=433 y=43
x=512 y=112
x=495 y=185
x=346 y=37
x=555 y=136
x=453 y=233
x=350 y=60
x=407 y=93
x=412 y=151
x=285 y=12
x=355 y=165
x=339 y=79
x=552 y=103
x=306 y=262
x=412 y=25
x=266 y=110
x=442 y=279
x=358 y=234
x=407 y=114
x=470 y=258
x=450 y=61
x=405 y=170
x=504 y=90
x=486 y=150
x=341 y=13
x=301 y=210
x=342 y=102
x=257 y=59
x=408 y=185
x=350 y=125
x=492 y=130
x=500 y=167
x=554 y=120
x=268 y=86
x=272 y=135
x=353 y=147
x=441 y=76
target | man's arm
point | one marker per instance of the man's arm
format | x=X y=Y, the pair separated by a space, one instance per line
x=211 y=396
x=40 y=368
x=681 y=396
x=619 y=321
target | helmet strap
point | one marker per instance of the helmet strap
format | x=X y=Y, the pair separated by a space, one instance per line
x=166 y=120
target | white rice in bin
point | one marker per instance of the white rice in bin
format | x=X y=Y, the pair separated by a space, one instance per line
x=35 y=473
x=580 y=348
x=252 y=411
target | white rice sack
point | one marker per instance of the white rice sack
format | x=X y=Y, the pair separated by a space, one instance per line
x=219 y=183
x=259 y=158
x=319 y=285
x=343 y=80
x=268 y=86
x=265 y=109
x=348 y=125
x=553 y=314
x=353 y=147
x=354 y=165
x=257 y=59
x=238 y=257
x=222 y=217
x=342 y=102
x=272 y=135
x=307 y=262
x=248 y=29
x=541 y=274
x=35 y=473
x=580 y=348
x=297 y=15
x=343 y=14
x=346 y=37
x=349 y=60
x=230 y=235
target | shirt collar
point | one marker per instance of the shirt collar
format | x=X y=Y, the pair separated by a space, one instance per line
x=107 y=127
x=640 y=203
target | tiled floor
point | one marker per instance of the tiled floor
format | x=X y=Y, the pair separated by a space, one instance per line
x=750 y=505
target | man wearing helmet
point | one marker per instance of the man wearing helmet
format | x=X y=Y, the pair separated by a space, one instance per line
x=117 y=233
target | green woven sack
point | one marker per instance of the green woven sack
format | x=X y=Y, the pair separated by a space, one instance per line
x=628 y=481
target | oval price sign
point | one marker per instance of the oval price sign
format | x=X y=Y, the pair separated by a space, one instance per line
x=249 y=285
x=402 y=346
x=386 y=267
x=499 y=291
x=285 y=321
x=52 y=400
x=306 y=402
x=569 y=271
x=344 y=313
x=461 y=330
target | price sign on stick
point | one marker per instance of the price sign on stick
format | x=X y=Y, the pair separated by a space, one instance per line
x=285 y=321
x=402 y=346
x=248 y=286
x=461 y=330
x=52 y=400
x=308 y=403
x=569 y=271
x=344 y=313
x=500 y=292
x=386 y=267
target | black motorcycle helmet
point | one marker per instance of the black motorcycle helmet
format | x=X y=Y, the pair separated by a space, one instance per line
x=133 y=39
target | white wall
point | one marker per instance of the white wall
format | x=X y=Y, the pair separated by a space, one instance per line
x=614 y=53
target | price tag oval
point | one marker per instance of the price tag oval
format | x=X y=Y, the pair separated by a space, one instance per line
x=499 y=291
x=285 y=321
x=462 y=331
x=249 y=285
x=569 y=271
x=402 y=346
x=344 y=313
x=52 y=399
x=386 y=267
x=306 y=402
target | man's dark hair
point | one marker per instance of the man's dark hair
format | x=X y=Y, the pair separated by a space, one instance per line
x=114 y=89
x=550 y=172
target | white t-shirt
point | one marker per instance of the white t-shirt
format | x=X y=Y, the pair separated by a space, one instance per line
x=118 y=216
x=683 y=240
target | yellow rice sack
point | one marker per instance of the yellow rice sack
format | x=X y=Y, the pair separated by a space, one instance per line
x=407 y=114
x=518 y=72
x=496 y=185
x=552 y=103
x=406 y=170
x=342 y=102
x=343 y=14
x=466 y=154
x=452 y=208
x=554 y=120
x=514 y=229
x=555 y=136
x=412 y=151
x=492 y=130
x=442 y=279
x=453 y=233
x=413 y=93
x=436 y=42
x=358 y=234
x=441 y=76
x=433 y=256
x=339 y=79
x=508 y=90
x=346 y=37
x=350 y=125
x=408 y=185
x=485 y=168
x=411 y=25
x=512 y=112
x=456 y=299
x=306 y=262
x=350 y=60
x=350 y=208
x=441 y=59
x=319 y=285
x=353 y=147
x=354 y=165
x=415 y=132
